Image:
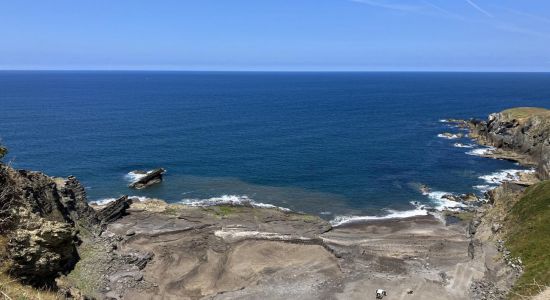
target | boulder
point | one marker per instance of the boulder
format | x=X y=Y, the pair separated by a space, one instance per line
x=148 y=179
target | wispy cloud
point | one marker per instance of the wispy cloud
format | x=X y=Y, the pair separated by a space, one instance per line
x=428 y=8
x=528 y=15
x=481 y=10
x=392 y=6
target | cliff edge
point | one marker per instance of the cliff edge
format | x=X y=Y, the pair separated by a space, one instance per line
x=521 y=134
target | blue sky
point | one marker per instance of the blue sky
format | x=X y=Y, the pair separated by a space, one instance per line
x=354 y=35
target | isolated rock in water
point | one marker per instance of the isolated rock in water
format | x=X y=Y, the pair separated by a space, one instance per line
x=451 y=197
x=41 y=251
x=424 y=189
x=148 y=179
x=114 y=210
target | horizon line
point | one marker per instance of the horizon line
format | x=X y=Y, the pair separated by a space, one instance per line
x=270 y=71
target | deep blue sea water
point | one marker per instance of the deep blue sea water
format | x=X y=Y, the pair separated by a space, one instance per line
x=331 y=143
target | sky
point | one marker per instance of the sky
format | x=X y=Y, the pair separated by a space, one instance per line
x=276 y=35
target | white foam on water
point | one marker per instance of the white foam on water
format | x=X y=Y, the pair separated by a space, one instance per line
x=460 y=145
x=236 y=200
x=133 y=176
x=481 y=151
x=420 y=210
x=392 y=214
x=483 y=187
x=444 y=121
x=442 y=203
x=102 y=201
x=105 y=201
x=449 y=137
x=504 y=175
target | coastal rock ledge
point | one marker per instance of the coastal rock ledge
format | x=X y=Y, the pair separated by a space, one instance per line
x=519 y=134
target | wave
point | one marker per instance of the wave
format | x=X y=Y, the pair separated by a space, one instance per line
x=450 y=137
x=460 y=145
x=481 y=151
x=109 y=200
x=483 y=187
x=441 y=203
x=501 y=176
x=392 y=214
x=134 y=176
x=236 y=200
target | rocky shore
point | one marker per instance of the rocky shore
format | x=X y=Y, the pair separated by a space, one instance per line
x=132 y=249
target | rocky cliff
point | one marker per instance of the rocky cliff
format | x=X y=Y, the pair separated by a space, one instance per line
x=521 y=134
x=41 y=217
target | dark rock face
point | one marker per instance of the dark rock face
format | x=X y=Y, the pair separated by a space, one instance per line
x=46 y=214
x=114 y=210
x=149 y=179
x=523 y=131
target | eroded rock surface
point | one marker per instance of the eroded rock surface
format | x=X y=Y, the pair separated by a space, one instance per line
x=230 y=252
x=45 y=214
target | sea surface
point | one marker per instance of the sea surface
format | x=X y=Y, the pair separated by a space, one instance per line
x=333 y=144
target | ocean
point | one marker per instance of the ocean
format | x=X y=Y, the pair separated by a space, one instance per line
x=332 y=144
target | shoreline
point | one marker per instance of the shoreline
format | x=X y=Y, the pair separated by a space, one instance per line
x=134 y=249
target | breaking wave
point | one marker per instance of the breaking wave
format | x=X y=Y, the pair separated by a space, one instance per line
x=449 y=137
x=481 y=151
x=392 y=214
x=236 y=200
x=460 y=145
x=134 y=176
x=109 y=200
x=499 y=177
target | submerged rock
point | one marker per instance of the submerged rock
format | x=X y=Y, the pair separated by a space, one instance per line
x=148 y=178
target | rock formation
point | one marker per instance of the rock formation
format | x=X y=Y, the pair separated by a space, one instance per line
x=45 y=215
x=519 y=134
x=148 y=179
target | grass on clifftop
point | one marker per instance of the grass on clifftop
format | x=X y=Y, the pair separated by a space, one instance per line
x=529 y=239
x=525 y=112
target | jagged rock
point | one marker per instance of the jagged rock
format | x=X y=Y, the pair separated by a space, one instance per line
x=496 y=227
x=46 y=214
x=519 y=134
x=42 y=250
x=114 y=210
x=468 y=197
x=149 y=179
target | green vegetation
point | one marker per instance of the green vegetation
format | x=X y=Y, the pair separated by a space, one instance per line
x=86 y=275
x=224 y=210
x=528 y=237
x=525 y=112
x=461 y=215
